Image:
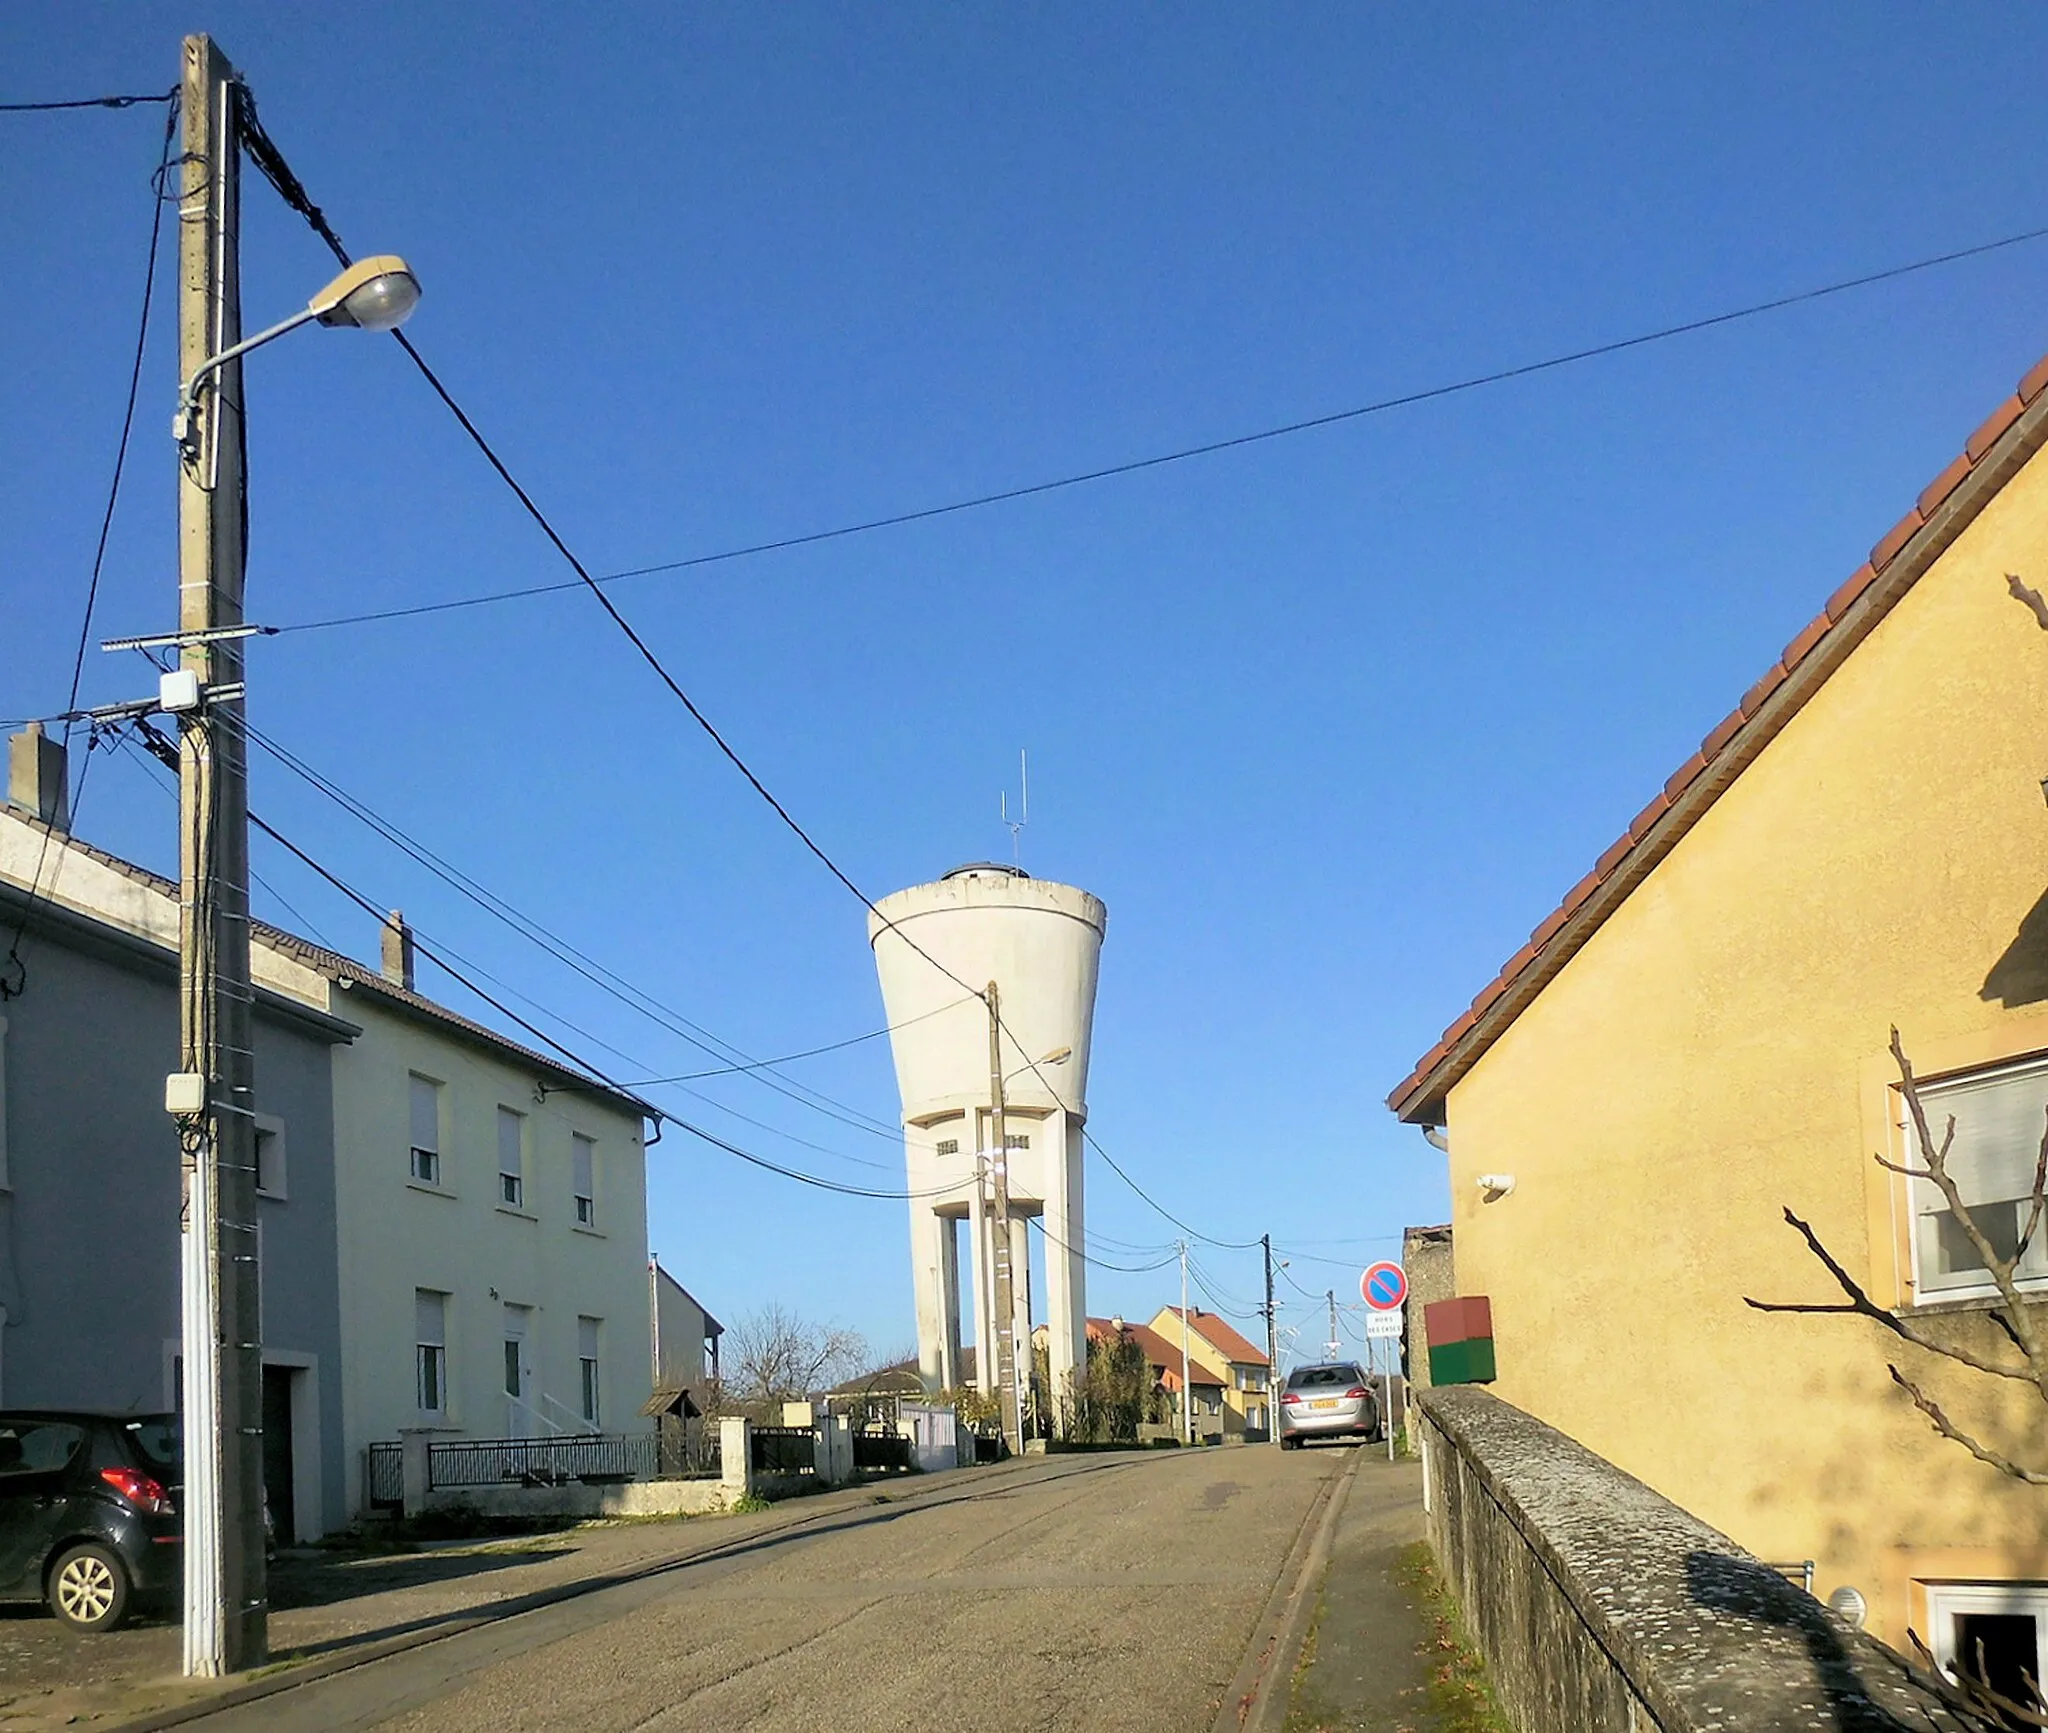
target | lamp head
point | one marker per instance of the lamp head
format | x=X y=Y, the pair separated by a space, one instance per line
x=375 y=294
x=1058 y=1056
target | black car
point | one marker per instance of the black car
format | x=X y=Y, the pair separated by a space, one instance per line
x=87 y=1518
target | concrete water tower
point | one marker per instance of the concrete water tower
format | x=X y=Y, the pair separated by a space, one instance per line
x=1040 y=943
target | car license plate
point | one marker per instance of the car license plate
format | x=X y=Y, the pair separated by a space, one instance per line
x=1324 y=1402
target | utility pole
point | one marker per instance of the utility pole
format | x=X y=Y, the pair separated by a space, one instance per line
x=1009 y=1408
x=214 y=1097
x=1187 y=1388
x=1336 y=1346
x=1272 y=1348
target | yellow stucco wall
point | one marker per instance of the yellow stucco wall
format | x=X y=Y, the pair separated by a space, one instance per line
x=1717 y=1052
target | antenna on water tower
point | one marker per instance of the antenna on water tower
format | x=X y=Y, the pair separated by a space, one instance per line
x=1017 y=824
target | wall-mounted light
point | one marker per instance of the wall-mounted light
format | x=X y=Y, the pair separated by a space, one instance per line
x=1496 y=1185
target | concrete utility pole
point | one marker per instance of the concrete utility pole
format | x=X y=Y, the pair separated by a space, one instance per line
x=1187 y=1388
x=1009 y=1408
x=1336 y=1345
x=225 y=1590
x=1272 y=1349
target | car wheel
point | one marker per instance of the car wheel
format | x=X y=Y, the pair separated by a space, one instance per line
x=89 y=1588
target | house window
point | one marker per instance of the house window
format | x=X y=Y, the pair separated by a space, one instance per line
x=586 y=1354
x=511 y=1158
x=1999 y=1117
x=583 y=1178
x=426 y=1131
x=1995 y=1632
x=270 y=1156
x=430 y=1354
x=946 y=1146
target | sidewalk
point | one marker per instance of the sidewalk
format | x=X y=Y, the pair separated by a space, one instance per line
x=334 y=1610
x=1379 y=1658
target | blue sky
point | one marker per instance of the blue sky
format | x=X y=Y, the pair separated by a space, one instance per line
x=1330 y=722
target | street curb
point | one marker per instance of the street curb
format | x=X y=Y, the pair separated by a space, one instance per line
x=1257 y=1699
x=460 y=1624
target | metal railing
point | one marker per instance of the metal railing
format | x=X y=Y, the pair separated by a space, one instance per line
x=785 y=1450
x=542 y=1461
x=384 y=1477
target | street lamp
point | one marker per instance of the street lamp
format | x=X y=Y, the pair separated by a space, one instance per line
x=374 y=294
x=212 y=1097
x=1058 y=1056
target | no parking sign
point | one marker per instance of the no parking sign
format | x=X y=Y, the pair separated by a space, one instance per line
x=1383 y=1287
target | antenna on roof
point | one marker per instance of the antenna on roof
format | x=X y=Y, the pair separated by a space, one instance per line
x=1017 y=824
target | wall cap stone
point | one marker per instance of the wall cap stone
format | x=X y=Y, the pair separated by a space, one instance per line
x=1708 y=1636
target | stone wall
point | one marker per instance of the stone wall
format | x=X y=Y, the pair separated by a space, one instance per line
x=1602 y=1607
x=1426 y=1259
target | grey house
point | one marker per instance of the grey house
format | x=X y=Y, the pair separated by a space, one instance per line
x=90 y=1189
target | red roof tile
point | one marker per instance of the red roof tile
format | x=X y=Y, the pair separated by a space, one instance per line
x=1858 y=581
x=2002 y=420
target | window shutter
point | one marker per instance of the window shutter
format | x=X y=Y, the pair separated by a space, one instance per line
x=586 y=1338
x=582 y=1161
x=509 y=1152
x=430 y=1317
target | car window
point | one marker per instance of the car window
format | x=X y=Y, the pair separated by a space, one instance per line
x=159 y=1440
x=37 y=1446
x=1316 y=1377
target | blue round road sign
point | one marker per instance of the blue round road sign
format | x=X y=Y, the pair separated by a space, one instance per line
x=1383 y=1286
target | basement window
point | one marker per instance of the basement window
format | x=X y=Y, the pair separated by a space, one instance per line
x=2000 y=1116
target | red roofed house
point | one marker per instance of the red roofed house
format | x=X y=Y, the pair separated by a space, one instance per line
x=1247 y=1394
x=1696 y=1040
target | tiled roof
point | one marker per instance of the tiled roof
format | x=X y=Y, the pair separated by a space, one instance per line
x=2009 y=435
x=1219 y=1334
x=1161 y=1354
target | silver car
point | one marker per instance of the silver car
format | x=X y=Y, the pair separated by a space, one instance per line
x=1329 y=1401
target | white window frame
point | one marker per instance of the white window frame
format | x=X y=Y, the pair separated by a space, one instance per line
x=512 y=1196
x=1946 y=1599
x=1923 y=1193
x=270 y=1130
x=432 y=1177
x=583 y=1151
x=422 y=1348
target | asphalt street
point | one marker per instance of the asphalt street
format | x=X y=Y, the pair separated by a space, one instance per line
x=1115 y=1592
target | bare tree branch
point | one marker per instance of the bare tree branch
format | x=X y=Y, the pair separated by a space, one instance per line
x=2032 y=598
x=1948 y=1429
x=1971 y=1695
x=2002 y=1270
x=1862 y=1305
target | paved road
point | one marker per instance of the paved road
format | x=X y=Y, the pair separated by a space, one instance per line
x=1113 y=1592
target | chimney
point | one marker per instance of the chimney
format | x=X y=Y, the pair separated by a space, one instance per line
x=36 y=776
x=397 y=950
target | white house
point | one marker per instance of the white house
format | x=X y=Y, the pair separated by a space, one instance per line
x=491 y=1220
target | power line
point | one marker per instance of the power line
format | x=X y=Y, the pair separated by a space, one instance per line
x=1133 y=466
x=607 y=980
x=170 y=96
x=13 y=973
x=265 y=154
x=1088 y=1257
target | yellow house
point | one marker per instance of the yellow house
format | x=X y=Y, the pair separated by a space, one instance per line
x=1247 y=1393
x=1696 y=1040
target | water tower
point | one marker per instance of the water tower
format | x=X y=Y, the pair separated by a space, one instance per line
x=1040 y=943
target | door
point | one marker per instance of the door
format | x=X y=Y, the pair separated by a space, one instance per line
x=279 y=1475
x=520 y=1417
x=36 y=1458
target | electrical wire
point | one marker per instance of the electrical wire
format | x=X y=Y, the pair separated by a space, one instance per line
x=13 y=972
x=86 y=102
x=270 y=161
x=1209 y=448
x=581 y=963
